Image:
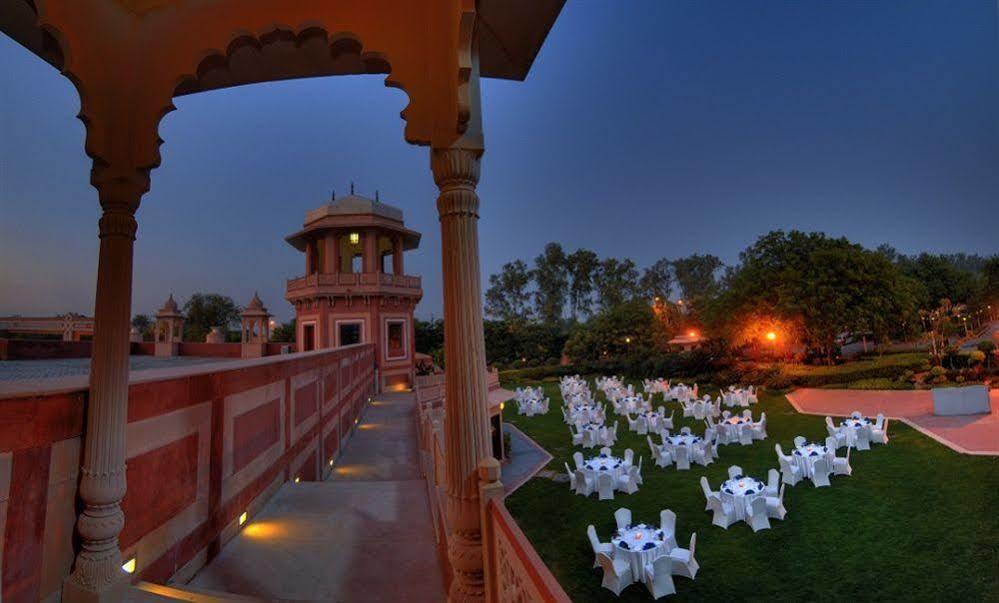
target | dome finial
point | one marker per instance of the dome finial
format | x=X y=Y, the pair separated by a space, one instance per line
x=351 y=187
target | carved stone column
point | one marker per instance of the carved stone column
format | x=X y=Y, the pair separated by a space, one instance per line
x=97 y=574
x=466 y=423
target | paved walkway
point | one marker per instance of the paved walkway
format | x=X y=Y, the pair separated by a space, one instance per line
x=365 y=535
x=968 y=434
x=25 y=370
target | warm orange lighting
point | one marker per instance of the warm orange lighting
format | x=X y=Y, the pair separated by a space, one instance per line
x=242 y=518
x=502 y=405
x=627 y=339
x=129 y=566
x=771 y=336
x=679 y=302
x=355 y=238
x=297 y=479
x=264 y=529
x=692 y=333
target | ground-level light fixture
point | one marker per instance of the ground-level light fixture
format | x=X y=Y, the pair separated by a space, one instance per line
x=242 y=518
x=627 y=339
x=297 y=479
x=129 y=566
x=354 y=237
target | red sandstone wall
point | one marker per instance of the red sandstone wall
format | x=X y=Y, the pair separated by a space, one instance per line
x=201 y=449
x=214 y=350
x=42 y=349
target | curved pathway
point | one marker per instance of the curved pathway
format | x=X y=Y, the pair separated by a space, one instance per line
x=967 y=434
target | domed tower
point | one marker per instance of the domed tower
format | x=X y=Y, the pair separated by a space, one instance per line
x=355 y=289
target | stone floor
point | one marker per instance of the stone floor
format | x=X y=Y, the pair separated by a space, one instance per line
x=524 y=459
x=23 y=370
x=969 y=434
x=365 y=535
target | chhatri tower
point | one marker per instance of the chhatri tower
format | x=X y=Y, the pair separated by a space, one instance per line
x=355 y=289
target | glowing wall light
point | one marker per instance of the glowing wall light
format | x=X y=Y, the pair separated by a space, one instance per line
x=129 y=566
x=355 y=238
x=297 y=479
x=242 y=518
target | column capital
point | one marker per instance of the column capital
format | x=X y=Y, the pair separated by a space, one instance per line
x=456 y=172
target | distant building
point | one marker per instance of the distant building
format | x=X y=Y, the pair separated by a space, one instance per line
x=355 y=289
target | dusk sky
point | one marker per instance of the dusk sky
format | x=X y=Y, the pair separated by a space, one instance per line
x=644 y=130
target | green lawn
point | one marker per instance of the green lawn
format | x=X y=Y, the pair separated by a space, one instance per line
x=916 y=520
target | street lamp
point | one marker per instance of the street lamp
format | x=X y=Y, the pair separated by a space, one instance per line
x=771 y=336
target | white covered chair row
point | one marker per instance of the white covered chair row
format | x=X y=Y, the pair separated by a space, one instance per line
x=734 y=396
x=681 y=393
x=588 y=438
x=531 y=406
x=819 y=470
x=605 y=484
x=860 y=438
x=758 y=511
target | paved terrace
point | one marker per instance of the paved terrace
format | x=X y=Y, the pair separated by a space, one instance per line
x=364 y=535
x=35 y=370
x=968 y=434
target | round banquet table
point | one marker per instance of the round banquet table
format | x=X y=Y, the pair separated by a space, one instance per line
x=591 y=434
x=806 y=455
x=737 y=420
x=684 y=439
x=739 y=491
x=584 y=412
x=612 y=465
x=639 y=545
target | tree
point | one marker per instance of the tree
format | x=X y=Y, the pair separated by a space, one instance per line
x=823 y=286
x=284 y=332
x=627 y=332
x=508 y=297
x=616 y=282
x=657 y=280
x=696 y=276
x=429 y=335
x=942 y=276
x=206 y=310
x=551 y=277
x=143 y=323
x=582 y=264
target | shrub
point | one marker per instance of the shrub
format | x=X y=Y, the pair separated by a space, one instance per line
x=937 y=371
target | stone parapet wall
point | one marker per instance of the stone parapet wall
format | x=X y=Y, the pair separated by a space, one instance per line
x=203 y=445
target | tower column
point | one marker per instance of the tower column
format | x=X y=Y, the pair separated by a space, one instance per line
x=466 y=422
x=370 y=250
x=97 y=573
x=332 y=254
x=397 y=267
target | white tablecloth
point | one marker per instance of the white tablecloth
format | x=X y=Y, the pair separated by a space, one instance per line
x=683 y=440
x=740 y=491
x=531 y=407
x=591 y=434
x=806 y=455
x=630 y=545
x=612 y=465
x=585 y=413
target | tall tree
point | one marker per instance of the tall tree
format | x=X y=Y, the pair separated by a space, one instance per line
x=508 y=296
x=582 y=265
x=206 y=310
x=616 y=282
x=143 y=323
x=551 y=277
x=696 y=276
x=284 y=332
x=657 y=280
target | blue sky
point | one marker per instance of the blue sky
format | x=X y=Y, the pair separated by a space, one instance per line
x=646 y=129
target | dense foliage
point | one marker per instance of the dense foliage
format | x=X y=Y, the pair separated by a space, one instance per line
x=206 y=310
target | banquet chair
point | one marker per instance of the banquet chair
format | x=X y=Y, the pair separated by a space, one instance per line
x=598 y=547
x=856 y=415
x=790 y=472
x=605 y=487
x=714 y=448
x=577 y=458
x=735 y=471
x=726 y=414
x=613 y=432
x=661 y=410
x=682 y=456
x=628 y=483
x=759 y=428
x=703 y=452
x=820 y=473
x=684 y=431
x=572 y=477
x=747 y=414
x=629 y=457
x=723 y=513
x=617 y=573
x=684 y=563
x=863 y=438
x=659 y=577
x=607 y=437
x=775 y=505
x=638 y=474
x=623 y=518
x=642 y=425
x=577 y=437
x=666 y=422
x=605 y=450
x=841 y=464
x=698 y=410
x=709 y=495
x=773 y=482
x=584 y=483
x=667 y=523
x=879 y=433
x=751 y=396
x=632 y=423
x=725 y=433
x=745 y=434
x=835 y=433
x=800 y=441
x=756 y=514
x=688 y=410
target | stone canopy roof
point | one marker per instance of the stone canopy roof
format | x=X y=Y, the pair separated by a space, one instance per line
x=353 y=212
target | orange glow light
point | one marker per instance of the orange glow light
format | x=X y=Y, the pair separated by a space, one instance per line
x=692 y=333
x=771 y=336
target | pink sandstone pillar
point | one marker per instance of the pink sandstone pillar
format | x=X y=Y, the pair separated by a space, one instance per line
x=466 y=422
x=97 y=575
